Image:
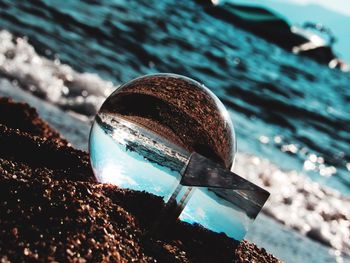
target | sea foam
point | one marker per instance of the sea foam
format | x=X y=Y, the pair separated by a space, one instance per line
x=319 y=212
x=51 y=80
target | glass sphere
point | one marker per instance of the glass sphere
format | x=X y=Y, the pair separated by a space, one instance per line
x=146 y=130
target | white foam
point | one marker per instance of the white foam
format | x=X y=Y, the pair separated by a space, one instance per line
x=56 y=82
x=295 y=200
x=298 y=202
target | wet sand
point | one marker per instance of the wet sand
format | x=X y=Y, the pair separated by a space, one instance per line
x=53 y=210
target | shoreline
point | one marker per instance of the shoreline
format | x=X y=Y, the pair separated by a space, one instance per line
x=77 y=132
x=56 y=169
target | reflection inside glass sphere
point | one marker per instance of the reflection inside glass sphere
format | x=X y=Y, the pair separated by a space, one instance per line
x=144 y=135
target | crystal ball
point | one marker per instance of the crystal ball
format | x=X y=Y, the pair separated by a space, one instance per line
x=145 y=132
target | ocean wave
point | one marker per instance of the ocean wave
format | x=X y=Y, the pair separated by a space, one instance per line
x=296 y=201
x=58 y=83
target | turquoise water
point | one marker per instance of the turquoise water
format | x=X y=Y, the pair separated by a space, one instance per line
x=285 y=108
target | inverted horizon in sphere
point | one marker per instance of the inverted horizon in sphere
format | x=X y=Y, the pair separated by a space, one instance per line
x=143 y=137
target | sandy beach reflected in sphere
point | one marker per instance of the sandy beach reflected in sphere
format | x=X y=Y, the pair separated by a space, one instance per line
x=160 y=119
x=147 y=129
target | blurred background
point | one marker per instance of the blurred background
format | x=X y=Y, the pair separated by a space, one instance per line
x=280 y=68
